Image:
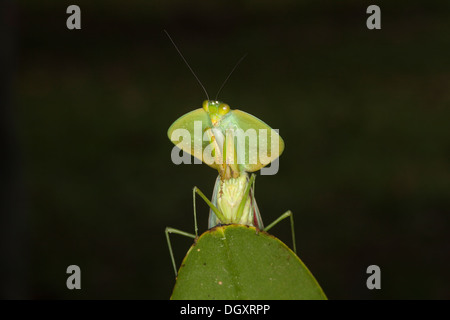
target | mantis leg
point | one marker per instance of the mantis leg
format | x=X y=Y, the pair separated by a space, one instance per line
x=245 y=197
x=213 y=207
x=282 y=217
x=187 y=234
x=183 y=233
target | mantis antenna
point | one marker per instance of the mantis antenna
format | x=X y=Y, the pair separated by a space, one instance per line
x=229 y=75
x=181 y=55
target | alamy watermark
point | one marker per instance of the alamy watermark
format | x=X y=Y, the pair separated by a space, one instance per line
x=374 y=20
x=74 y=20
x=234 y=146
x=74 y=280
x=374 y=280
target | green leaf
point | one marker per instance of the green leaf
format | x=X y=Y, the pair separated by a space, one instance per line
x=238 y=262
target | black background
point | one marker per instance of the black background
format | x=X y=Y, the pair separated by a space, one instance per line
x=87 y=176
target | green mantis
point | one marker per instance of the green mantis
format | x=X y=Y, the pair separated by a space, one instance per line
x=218 y=132
x=235 y=258
x=233 y=200
x=235 y=143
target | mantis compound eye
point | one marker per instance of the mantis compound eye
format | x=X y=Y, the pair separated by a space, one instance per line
x=223 y=109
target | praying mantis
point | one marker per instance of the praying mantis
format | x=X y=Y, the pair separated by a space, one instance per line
x=233 y=200
x=236 y=144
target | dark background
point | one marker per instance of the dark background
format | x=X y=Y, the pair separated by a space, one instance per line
x=87 y=177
